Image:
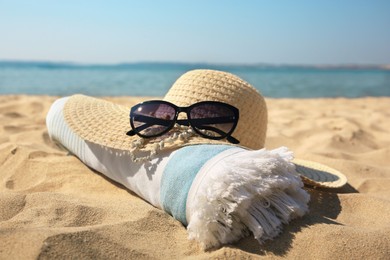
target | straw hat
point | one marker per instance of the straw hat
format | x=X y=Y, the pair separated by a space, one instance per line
x=105 y=123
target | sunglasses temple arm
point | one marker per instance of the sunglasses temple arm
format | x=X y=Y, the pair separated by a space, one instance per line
x=230 y=138
x=149 y=121
x=183 y=122
x=130 y=133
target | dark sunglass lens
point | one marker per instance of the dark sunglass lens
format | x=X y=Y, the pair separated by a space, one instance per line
x=213 y=120
x=152 y=119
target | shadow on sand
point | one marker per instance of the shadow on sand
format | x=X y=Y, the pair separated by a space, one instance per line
x=324 y=208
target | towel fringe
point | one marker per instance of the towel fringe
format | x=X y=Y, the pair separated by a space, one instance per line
x=251 y=192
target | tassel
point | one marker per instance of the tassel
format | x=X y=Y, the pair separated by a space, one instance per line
x=250 y=192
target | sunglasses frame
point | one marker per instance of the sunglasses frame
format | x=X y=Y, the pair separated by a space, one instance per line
x=189 y=121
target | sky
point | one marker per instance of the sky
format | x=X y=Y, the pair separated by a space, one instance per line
x=213 y=31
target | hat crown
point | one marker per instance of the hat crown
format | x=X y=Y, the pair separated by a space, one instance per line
x=210 y=85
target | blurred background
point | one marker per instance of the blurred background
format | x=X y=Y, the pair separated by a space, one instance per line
x=139 y=48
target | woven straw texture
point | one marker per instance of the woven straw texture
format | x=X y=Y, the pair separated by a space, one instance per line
x=319 y=175
x=98 y=121
x=211 y=85
x=105 y=123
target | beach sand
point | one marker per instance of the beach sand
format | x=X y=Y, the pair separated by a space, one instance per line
x=53 y=206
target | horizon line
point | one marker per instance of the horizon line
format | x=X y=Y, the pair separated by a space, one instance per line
x=240 y=64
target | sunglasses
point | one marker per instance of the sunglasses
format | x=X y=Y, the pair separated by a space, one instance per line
x=210 y=119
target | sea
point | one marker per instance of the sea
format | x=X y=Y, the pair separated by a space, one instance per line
x=154 y=79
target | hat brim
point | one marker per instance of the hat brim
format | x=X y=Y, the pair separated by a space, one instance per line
x=319 y=175
x=105 y=123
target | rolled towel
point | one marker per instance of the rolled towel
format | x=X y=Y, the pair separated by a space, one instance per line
x=234 y=192
x=221 y=193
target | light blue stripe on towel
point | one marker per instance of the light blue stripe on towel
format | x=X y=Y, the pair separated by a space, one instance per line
x=179 y=174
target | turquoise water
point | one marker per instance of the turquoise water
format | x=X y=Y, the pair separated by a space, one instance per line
x=154 y=79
